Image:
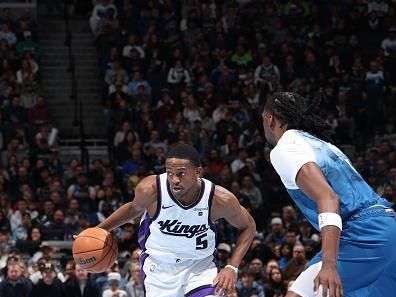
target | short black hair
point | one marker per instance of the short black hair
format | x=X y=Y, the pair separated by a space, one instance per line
x=185 y=151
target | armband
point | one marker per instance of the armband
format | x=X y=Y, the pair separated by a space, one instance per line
x=232 y=267
x=329 y=219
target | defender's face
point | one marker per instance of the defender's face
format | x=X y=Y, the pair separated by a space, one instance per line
x=269 y=134
x=182 y=176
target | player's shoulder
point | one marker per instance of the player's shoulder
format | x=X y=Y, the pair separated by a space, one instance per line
x=147 y=185
x=221 y=195
x=291 y=141
x=291 y=137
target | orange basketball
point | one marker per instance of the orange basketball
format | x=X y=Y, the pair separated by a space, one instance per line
x=95 y=249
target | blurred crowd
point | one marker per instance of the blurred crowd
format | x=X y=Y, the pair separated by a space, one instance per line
x=195 y=72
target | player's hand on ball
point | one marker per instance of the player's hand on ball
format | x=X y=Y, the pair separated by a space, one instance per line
x=330 y=281
x=225 y=282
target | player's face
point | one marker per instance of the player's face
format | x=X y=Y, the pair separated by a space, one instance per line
x=269 y=134
x=182 y=176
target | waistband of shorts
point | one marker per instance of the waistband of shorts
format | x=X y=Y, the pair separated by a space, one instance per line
x=173 y=259
x=374 y=210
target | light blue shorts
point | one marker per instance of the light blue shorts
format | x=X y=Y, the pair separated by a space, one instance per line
x=367 y=254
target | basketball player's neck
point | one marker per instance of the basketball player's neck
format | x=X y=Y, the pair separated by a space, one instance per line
x=192 y=195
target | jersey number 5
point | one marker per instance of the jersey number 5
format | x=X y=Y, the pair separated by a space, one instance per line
x=201 y=242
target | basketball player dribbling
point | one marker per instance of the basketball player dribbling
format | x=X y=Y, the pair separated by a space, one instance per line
x=177 y=232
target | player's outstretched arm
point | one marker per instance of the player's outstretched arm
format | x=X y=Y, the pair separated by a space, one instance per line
x=226 y=205
x=312 y=182
x=145 y=196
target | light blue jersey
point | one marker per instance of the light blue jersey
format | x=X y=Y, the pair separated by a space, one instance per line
x=367 y=250
x=354 y=193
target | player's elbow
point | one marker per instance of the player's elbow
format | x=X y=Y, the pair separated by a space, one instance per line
x=329 y=202
x=251 y=226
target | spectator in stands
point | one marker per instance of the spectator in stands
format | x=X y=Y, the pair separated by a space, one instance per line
x=215 y=163
x=124 y=149
x=39 y=113
x=114 y=279
x=71 y=172
x=16 y=216
x=375 y=89
x=155 y=141
x=56 y=229
x=257 y=268
x=99 y=12
x=289 y=217
x=114 y=73
x=137 y=81
x=252 y=191
x=46 y=216
x=143 y=96
x=223 y=254
x=34 y=234
x=128 y=239
x=108 y=22
x=306 y=233
x=191 y=110
x=82 y=224
x=49 y=285
x=26 y=22
x=70 y=269
x=275 y=286
x=277 y=233
x=15 y=284
x=178 y=75
x=285 y=255
x=133 y=43
x=291 y=238
x=241 y=161
x=389 y=43
x=134 y=287
x=247 y=286
x=22 y=230
x=5 y=226
x=296 y=264
x=81 y=285
x=29 y=45
x=131 y=166
x=157 y=161
x=8 y=35
x=83 y=192
x=28 y=95
x=15 y=112
x=25 y=73
x=120 y=134
x=134 y=259
x=133 y=62
x=167 y=110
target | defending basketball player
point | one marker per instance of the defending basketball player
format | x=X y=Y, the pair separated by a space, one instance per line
x=177 y=233
x=358 y=227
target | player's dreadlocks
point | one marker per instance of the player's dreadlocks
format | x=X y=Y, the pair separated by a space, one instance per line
x=291 y=110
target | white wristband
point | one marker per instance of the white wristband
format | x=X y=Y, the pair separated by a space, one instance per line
x=329 y=219
x=232 y=267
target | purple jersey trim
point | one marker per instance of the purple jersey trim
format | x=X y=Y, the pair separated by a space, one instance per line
x=159 y=198
x=201 y=291
x=142 y=259
x=144 y=231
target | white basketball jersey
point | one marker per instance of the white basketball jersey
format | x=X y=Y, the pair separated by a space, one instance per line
x=177 y=231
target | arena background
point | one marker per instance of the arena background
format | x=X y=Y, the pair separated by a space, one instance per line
x=93 y=93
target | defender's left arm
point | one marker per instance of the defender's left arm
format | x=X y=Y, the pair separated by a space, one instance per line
x=312 y=182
